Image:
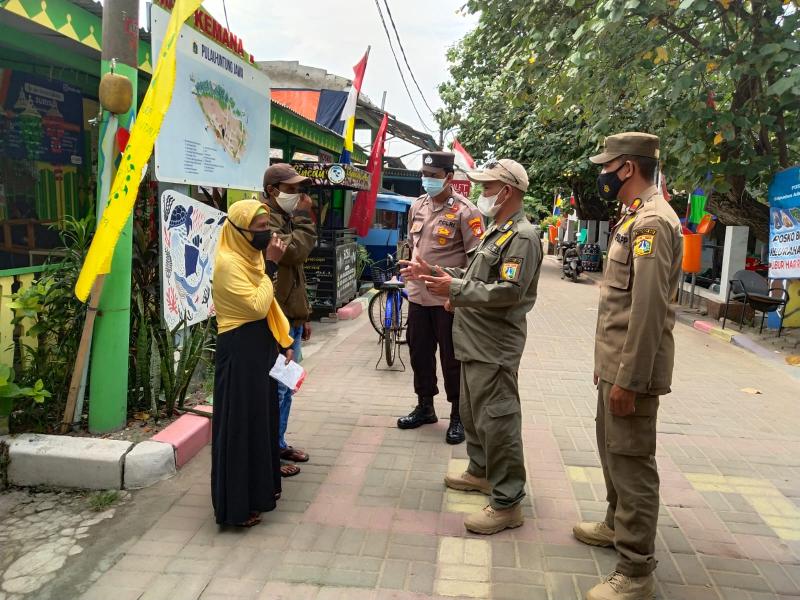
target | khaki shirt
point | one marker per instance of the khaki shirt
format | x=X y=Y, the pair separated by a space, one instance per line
x=634 y=347
x=493 y=295
x=442 y=234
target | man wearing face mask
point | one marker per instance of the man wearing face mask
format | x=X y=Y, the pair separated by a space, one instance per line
x=634 y=351
x=290 y=218
x=443 y=227
x=492 y=297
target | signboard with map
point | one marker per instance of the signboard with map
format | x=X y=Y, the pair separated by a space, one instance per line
x=216 y=132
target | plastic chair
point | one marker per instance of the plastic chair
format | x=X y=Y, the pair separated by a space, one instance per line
x=752 y=289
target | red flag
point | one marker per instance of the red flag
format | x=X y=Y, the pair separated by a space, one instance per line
x=364 y=205
x=462 y=152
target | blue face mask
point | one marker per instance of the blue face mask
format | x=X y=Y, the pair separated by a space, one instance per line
x=432 y=186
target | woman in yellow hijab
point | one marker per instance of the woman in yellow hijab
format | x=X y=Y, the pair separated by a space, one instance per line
x=245 y=466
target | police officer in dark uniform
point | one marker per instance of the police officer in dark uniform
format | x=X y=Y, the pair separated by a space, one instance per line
x=443 y=227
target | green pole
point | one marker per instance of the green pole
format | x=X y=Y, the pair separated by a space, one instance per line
x=108 y=377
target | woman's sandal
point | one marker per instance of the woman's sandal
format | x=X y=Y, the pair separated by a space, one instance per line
x=288 y=470
x=294 y=455
x=255 y=519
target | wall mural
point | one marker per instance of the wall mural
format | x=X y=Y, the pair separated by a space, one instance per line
x=190 y=231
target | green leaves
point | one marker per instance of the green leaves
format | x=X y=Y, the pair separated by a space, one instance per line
x=692 y=72
x=9 y=389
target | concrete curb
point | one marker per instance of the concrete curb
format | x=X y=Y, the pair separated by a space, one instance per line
x=63 y=461
x=188 y=435
x=740 y=340
x=99 y=464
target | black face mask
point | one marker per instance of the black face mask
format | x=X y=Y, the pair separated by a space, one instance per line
x=609 y=184
x=260 y=239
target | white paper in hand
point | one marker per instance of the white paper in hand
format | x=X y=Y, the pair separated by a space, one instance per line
x=291 y=375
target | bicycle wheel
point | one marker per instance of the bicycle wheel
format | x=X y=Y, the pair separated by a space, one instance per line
x=390 y=344
x=377 y=311
x=403 y=325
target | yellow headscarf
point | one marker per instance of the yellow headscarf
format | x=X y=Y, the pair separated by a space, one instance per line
x=239 y=271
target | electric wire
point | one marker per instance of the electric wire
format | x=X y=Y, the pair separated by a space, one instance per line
x=399 y=69
x=225 y=10
x=405 y=58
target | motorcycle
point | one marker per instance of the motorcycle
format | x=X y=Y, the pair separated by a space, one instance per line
x=571 y=264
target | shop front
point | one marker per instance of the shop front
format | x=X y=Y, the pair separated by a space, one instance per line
x=331 y=268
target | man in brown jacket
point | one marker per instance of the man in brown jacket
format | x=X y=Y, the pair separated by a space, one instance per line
x=634 y=352
x=290 y=218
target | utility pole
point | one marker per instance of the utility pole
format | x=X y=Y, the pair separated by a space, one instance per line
x=108 y=379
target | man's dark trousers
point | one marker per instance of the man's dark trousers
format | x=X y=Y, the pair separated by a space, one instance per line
x=429 y=327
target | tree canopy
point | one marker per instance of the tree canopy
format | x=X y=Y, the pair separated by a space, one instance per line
x=543 y=81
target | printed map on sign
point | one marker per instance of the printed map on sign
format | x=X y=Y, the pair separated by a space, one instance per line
x=223 y=118
x=216 y=132
x=190 y=231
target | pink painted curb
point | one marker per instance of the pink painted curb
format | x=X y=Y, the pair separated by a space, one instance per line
x=704 y=326
x=350 y=311
x=188 y=435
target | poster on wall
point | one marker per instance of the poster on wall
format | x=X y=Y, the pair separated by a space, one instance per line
x=40 y=119
x=784 y=226
x=190 y=231
x=216 y=132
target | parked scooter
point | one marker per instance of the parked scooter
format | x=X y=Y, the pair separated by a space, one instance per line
x=571 y=264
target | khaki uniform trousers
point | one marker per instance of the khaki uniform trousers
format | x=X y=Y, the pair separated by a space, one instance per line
x=490 y=412
x=627 y=447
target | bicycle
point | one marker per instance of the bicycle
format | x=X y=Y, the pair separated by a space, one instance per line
x=388 y=309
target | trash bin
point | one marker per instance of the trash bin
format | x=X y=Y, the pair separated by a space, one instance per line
x=692 y=252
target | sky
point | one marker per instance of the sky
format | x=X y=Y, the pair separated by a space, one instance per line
x=334 y=36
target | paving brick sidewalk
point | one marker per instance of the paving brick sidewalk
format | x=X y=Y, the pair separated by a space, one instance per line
x=369 y=517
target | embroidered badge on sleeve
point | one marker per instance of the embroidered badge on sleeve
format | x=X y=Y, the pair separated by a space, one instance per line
x=510 y=270
x=644 y=241
x=477 y=227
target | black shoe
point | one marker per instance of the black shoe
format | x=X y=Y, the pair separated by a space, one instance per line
x=455 y=433
x=423 y=414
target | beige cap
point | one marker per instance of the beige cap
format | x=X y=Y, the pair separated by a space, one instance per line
x=634 y=143
x=505 y=170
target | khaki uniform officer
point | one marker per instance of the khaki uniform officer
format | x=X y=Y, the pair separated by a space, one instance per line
x=634 y=352
x=491 y=298
x=442 y=227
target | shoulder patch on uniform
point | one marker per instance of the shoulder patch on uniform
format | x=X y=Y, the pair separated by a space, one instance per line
x=644 y=241
x=477 y=227
x=507 y=225
x=511 y=268
x=501 y=241
x=626 y=225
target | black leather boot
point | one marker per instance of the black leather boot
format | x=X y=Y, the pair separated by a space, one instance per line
x=423 y=414
x=455 y=432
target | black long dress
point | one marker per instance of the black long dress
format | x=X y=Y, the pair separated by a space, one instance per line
x=245 y=460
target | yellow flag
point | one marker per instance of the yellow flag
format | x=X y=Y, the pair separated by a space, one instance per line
x=140 y=147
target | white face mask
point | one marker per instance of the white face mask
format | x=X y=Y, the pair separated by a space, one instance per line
x=488 y=206
x=288 y=202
